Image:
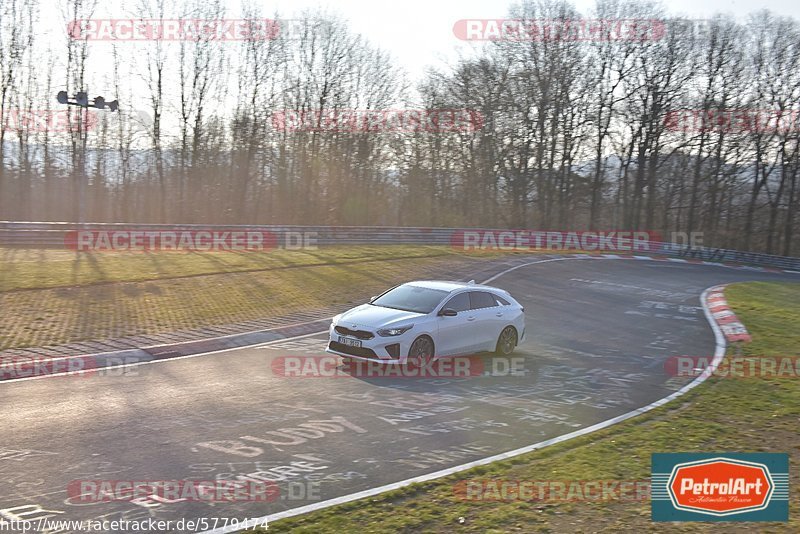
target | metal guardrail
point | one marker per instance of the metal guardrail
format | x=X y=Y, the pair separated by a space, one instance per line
x=54 y=235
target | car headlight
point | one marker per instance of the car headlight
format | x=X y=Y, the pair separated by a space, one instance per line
x=388 y=332
x=336 y=319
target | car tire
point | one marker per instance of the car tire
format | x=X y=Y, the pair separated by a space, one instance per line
x=422 y=351
x=506 y=342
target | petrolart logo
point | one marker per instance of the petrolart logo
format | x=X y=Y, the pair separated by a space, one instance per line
x=720 y=487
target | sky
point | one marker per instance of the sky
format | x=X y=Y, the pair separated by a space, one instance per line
x=419 y=33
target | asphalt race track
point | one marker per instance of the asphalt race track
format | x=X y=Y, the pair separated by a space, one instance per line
x=599 y=334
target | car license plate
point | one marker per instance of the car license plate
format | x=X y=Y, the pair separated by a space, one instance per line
x=349 y=342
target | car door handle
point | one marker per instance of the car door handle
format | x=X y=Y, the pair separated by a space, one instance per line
x=471 y=318
x=499 y=314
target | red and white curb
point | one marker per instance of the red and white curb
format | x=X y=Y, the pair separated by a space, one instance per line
x=732 y=328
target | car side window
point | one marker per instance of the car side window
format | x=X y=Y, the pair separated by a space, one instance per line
x=458 y=303
x=501 y=301
x=481 y=299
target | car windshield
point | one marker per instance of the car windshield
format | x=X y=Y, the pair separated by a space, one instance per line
x=411 y=298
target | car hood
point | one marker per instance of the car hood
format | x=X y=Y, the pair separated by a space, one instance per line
x=371 y=316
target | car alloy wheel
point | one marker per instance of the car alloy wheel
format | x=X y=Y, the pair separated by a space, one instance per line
x=421 y=350
x=507 y=341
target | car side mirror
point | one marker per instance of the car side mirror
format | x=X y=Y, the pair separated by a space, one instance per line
x=448 y=312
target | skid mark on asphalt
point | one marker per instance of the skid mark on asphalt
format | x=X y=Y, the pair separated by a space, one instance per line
x=666 y=310
x=613 y=286
x=310 y=346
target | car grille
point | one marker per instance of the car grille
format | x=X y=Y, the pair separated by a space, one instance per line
x=360 y=334
x=354 y=351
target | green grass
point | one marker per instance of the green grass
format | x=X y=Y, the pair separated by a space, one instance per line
x=43 y=268
x=52 y=297
x=734 y=415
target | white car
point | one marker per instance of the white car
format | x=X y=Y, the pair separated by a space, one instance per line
x=427 y=320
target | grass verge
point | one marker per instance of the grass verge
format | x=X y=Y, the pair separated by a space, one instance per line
x=55 y=297
x=51 y=268
x=722 y=415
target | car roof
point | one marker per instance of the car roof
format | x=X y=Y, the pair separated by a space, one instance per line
x=443 y=285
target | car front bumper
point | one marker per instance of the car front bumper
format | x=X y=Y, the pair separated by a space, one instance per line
x=390 y=350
